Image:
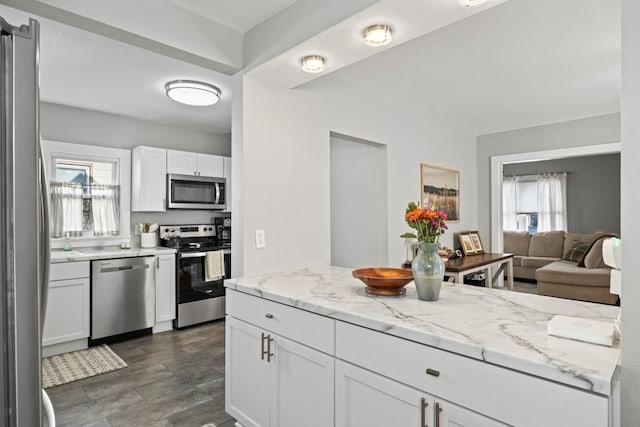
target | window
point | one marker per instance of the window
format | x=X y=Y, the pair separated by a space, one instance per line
x=535 y=202
x=89 y=192
x=527 y=206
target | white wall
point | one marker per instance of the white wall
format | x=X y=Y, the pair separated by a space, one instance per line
x=575 y=133
x=630 y=372
x=286 y=188
x=80 y=126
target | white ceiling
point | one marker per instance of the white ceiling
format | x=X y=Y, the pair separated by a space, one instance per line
x=519 y=64
x=240 y=15
x=516 y=64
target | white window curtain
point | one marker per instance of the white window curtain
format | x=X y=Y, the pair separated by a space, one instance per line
x=552 y=201
x=105 y=208
x=509 y=201
x=66 y=209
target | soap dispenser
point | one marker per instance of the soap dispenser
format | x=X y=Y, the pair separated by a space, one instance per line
x=67 y=242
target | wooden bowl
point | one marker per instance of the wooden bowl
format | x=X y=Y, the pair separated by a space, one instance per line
x=384 y=281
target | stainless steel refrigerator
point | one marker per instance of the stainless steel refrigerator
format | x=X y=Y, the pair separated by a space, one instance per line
x=24 y=236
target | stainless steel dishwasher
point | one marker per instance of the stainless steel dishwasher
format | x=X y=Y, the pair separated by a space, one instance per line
x=122 y=295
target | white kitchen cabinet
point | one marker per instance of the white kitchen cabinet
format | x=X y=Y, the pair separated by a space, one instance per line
x=165 y=292
x=302 y=382
x=148 y=179
x=227 y=176
x=247 y=374
x=364 y=398
x=452 y=415
x=273 y=380
x=67 y=318
x=188 y=163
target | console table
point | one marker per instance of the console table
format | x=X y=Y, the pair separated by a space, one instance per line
x=459 y=267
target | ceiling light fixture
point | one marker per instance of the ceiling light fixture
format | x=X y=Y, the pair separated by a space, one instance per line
x=312 y=64
x=471 y=2
x=377 y=35
x=191 y=92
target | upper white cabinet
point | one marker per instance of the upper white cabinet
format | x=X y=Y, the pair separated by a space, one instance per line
x=150 y=166
x=188 y=163
x=148 y=179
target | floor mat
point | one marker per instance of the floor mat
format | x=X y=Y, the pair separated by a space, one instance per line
x=76 y=365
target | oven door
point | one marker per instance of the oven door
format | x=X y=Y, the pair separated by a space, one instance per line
x=191 y=277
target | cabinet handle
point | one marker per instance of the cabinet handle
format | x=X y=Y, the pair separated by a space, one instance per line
x=264 y=337
x=433 y=372
x=436 y=415
x=269 y=316
x=157 y=263
x=269 y=354
x=423 y=414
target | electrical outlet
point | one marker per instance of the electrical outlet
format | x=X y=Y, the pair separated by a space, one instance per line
x=260 y=239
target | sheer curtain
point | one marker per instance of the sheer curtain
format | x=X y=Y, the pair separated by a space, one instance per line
x=552 y=201
x=509 y=209
x=105 y=208
x=66 y=209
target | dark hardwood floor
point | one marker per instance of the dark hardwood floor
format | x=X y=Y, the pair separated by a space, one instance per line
x=174 y=378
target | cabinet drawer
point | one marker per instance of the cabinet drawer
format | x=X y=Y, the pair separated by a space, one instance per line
x=509 y=396
x=69 y=270
x=298 y=325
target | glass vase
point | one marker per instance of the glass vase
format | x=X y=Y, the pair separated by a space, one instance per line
x=428 y=271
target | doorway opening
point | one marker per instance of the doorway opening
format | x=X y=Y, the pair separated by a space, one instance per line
x=497 y=171
x=359 y=236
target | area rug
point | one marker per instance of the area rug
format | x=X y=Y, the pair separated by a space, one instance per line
x=76 y=365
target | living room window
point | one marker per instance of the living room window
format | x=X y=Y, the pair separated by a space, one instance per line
x=535 y=203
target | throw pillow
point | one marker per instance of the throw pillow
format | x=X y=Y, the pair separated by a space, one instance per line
x=576 y=252
x=593 y=257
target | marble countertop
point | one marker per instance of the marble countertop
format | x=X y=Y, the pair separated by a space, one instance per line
x=497 y=326
x=89 y=254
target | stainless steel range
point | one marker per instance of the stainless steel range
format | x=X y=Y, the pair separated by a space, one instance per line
x=200 y=297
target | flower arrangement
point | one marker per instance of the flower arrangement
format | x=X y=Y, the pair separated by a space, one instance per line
x=429 y=224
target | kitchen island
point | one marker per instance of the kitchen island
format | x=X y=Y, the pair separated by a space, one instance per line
x=477 y=356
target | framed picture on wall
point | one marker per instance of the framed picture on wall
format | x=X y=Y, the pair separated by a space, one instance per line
x=467 y=244
x=440 y=190
x=477 y=243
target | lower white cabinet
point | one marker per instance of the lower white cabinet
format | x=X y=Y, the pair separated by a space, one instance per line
x=274 y=381
x=67 y=318
x=165 y=289
x=289 y=367
x=364 y=398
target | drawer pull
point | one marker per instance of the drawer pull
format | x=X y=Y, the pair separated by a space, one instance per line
x=433 y=372
x=423 y=415
x=269 y=316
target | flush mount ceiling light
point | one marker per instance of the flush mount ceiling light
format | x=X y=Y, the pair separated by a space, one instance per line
x=471 y=2
x=377 y=35
x=191 y=92
x=312 y=64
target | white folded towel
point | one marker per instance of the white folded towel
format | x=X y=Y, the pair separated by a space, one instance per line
x=576 y=328
x=214 y=266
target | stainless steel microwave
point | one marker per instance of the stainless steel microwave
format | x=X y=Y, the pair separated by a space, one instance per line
x=195 y=192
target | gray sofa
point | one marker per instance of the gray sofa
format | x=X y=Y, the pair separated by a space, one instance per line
x=540 y=256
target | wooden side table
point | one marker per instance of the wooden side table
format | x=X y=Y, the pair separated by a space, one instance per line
x=458 y=268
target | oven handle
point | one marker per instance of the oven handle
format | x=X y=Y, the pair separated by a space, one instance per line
x=199 y=254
